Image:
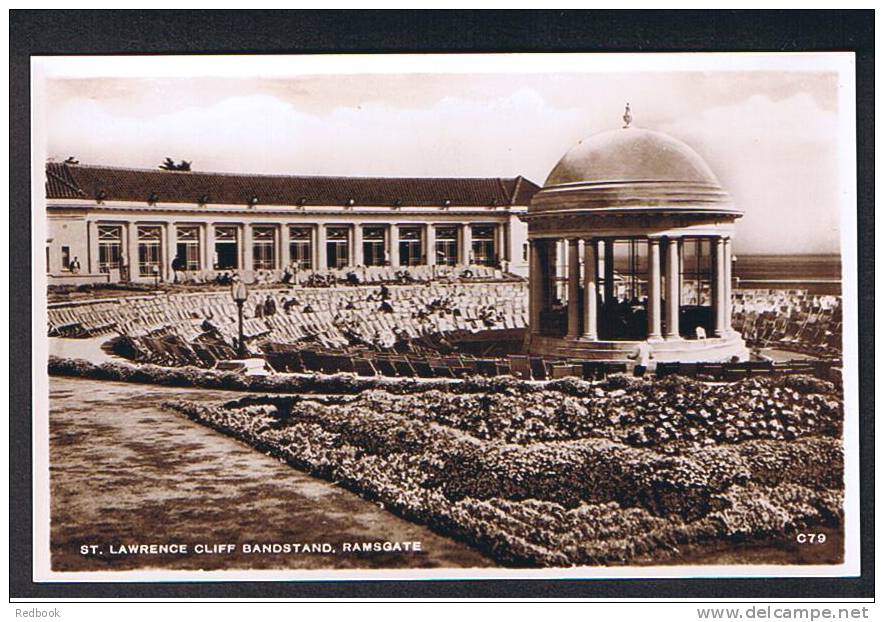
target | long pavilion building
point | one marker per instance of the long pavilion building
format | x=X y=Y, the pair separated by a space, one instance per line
x=110 y=224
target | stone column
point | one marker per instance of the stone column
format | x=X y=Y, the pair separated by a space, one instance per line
x=728 y=285
x=573 y=289
x=321 y=261
x=654 y=330
x=430 y=244
x=358 y=258
x=91 y=262
x=561 y=269
x=285 y=247
x=500 y=245
x=394 y=245
x=170 y=246
x=248 y=256
x=590 y=290
x=466 y=244
x=609 y=271
x=720 y=287
x=209 y=248
x=535 y=285
x=132 y=250
x=673 y=292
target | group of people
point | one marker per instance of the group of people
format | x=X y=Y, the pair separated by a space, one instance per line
x=266 y=308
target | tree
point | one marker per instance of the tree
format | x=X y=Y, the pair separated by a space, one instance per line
x=169 y=165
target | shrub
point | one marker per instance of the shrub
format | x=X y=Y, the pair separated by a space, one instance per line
x=545 y=503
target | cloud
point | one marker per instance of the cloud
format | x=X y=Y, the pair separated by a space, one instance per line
x=262 y=133
x=778 y=159
x=776 y=155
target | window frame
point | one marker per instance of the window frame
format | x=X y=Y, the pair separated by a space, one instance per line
x=264 y=247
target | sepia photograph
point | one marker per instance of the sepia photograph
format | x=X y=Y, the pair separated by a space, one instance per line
x=450 y=316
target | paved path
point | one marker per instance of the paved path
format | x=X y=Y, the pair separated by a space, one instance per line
x=123 y=471
x=87 y=349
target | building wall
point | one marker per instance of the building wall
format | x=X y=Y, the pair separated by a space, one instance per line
x=66 y=230
x=74 y=223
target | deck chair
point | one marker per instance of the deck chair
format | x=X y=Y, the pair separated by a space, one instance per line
x=403 y=367
x=422 y=367
x=363 y=367
x=486 y=368
x=520 y=367
x=667 y=369
x=538 y=368
x=385 y=366
x=592 y=370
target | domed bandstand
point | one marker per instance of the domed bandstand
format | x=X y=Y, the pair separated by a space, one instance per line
x=630 y=242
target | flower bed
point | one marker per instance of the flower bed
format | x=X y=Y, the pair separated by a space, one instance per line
x=555 y=474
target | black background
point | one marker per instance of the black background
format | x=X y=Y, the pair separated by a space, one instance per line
x=280 y=32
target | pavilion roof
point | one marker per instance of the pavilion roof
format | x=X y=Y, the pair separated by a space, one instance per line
x=76 y=181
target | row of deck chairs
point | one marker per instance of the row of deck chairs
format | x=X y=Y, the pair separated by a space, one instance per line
x=369 y=363
x=80 y=322
x=789 y=319
x=367 y=274
x=453 y=366
x=730 y=372
x=172 y=351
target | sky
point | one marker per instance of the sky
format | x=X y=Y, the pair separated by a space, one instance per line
x=770 y=136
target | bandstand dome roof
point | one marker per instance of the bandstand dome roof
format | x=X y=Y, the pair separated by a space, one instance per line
x=632 y=169
x=631 y=154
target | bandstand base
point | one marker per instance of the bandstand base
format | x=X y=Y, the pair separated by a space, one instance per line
x=713 y=350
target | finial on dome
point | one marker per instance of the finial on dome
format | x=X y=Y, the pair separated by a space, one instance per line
x=627 y=117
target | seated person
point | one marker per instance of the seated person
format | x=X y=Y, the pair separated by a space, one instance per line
x=289 y=304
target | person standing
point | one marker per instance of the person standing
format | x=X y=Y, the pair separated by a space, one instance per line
x=178 y=265
x=269 y=306
x=642 y=356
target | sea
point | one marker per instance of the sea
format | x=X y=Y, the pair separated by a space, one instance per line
x=818 y=274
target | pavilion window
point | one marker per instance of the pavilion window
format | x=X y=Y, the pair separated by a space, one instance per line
x=226 y=248
x=410 y=246
x=373 y=246
x=264 y=248
x=337 y=247
x=696 y=287
x=601 y=271
x=110 y=247
x=301 y=247
x=188 y=247
x=65 y=257
x=696 y=273
x=625 y=314
x=631 y=266
x=446 y=245
x=149 y=250
x=484 y=252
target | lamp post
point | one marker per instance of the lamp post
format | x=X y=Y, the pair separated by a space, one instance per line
x=156 y=278
x=240 y=294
